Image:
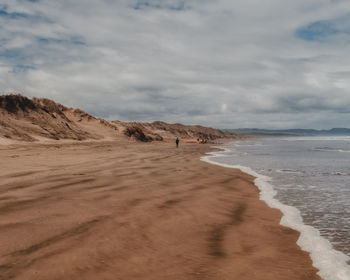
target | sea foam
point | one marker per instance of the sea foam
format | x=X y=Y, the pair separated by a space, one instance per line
x=332 y=264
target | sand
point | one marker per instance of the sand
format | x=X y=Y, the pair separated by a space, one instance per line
x=120 y=210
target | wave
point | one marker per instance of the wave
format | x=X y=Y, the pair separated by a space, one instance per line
x=335 y=173
x=290 y=171
x=316 y=138
x=340 y=174
x=332 y=264
x=328 y=149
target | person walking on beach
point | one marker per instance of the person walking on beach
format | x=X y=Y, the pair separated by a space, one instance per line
x=177 y=142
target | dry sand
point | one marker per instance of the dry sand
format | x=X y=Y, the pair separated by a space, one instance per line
x=115 y=210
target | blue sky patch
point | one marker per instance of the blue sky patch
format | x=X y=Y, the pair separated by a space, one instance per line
x=323 y=29
x=19 y=68
x=144 y=4
x=12 y=15
x=14 y=53
x=317 y=31
x=71 y=41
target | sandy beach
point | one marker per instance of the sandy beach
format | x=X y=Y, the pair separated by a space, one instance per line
x=121 y=210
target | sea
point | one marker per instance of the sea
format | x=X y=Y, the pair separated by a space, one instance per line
x=308 y=179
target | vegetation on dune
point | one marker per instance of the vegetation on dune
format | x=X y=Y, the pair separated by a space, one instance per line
x=137 y=133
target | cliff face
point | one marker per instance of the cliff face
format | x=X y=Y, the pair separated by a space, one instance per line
x=36 y=119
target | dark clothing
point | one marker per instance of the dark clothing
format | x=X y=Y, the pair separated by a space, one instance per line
x=177 y=142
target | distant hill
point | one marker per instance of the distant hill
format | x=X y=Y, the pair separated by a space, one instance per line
x=39 y=119
x=291 y=132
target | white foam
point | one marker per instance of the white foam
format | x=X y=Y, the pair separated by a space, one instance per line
x=332 y=264
x=326 y=149
x=318 y=138
x=290 y=171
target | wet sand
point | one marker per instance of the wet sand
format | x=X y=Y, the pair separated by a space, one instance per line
x=115 y=210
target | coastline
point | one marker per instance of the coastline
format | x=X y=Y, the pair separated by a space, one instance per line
x=331 y=263
x=115 y=210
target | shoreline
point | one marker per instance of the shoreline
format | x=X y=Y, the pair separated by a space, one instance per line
x=137 y=211
x=332 y=264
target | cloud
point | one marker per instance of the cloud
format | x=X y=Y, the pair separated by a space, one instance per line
x=219 y=63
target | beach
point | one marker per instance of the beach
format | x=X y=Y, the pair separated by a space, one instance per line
x=127 y=210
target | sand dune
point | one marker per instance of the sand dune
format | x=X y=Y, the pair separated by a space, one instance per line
x=111 y=210
x=41 y=120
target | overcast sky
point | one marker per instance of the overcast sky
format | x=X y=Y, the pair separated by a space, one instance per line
x=221 y=63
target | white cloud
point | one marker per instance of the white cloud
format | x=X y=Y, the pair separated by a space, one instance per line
x=220 y=63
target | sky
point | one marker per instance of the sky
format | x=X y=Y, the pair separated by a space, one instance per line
x=219 y=63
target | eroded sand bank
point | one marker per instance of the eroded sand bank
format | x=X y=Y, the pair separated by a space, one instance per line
x=115 y=210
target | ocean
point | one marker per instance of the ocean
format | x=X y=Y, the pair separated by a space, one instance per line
x=308 y=179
